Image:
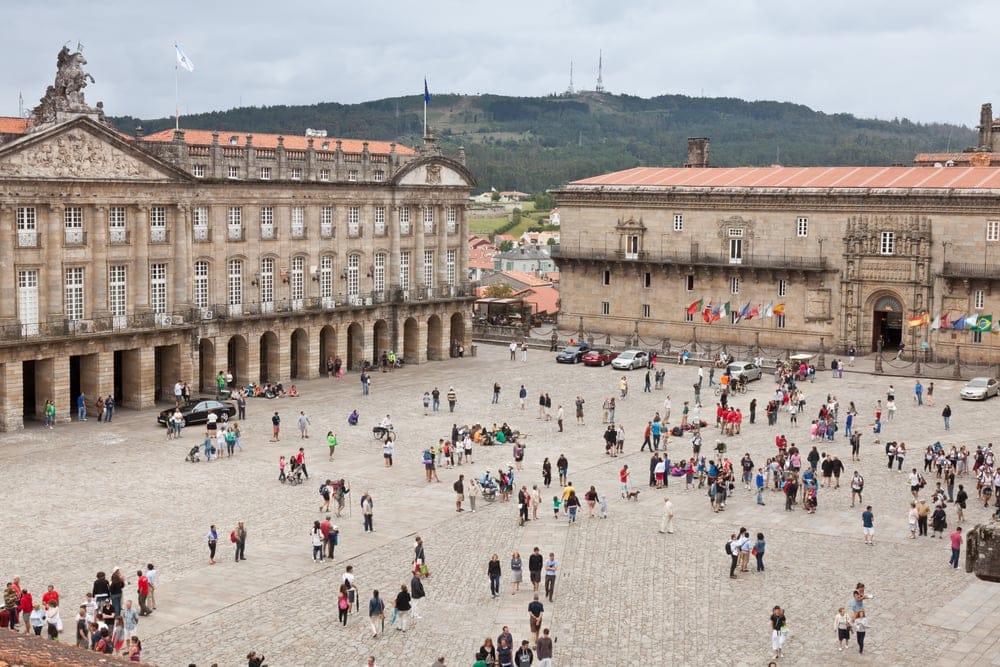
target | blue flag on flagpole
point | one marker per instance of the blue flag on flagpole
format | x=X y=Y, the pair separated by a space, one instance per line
x=427 y=94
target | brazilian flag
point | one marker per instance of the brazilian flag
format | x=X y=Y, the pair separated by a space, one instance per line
x=984 y=323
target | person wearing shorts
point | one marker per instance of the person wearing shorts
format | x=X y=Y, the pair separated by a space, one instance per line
x=868 y=525
x=387 y=448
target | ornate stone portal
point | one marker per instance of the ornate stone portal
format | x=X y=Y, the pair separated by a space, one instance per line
x=64 y=99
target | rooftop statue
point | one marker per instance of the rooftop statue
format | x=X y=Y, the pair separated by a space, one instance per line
x=66 y=94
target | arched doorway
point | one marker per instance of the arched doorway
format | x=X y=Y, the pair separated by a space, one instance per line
x=380 y=340
x=270 y=362
x=299 y=354
x=411 y=341
x=456 y=335
x=355 y=346
x=433 y=338
x=206 y=365
x=327 y=346
x=887 y=323
x=236 y=358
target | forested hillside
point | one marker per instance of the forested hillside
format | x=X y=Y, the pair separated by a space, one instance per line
x=531 y=144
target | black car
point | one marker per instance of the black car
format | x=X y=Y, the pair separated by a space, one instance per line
x=572 y=354
x=197 y=413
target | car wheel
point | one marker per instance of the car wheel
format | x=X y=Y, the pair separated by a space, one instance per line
x=224 y=417
x=602 y=363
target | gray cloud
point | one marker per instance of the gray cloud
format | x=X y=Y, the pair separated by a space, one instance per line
x=924 y=61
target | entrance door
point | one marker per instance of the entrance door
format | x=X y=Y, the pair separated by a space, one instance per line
x=887 y=323
x=27 y=301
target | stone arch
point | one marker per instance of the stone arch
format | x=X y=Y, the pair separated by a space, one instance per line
x=206 y=365
x=237 y=359
x=355 y=346
x=327 y=346
x=434 y=334
x=381 y=341
x=411 y=341
x=270 y=357
x=299 y=354
x=885 y=308
x=456 y=333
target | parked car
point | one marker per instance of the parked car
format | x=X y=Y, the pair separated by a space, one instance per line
x=979 y=389
x=600 y=356
x=572 y=354
x=197 y=413
x=630 y=359
x=745 y=369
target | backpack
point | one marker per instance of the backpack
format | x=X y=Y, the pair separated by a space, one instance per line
x=232 y=537
x=458 y=487
x=729 y=548
x=324 y=491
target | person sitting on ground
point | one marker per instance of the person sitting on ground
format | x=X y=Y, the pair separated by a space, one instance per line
x=293 y=391
x=352 y=418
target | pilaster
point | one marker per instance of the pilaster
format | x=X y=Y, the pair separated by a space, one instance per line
x=11 y=395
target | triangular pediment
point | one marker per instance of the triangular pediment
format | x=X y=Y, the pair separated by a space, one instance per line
x=81 y=149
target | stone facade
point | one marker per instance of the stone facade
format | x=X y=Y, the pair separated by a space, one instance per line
x=135 y=262
x=852 y=253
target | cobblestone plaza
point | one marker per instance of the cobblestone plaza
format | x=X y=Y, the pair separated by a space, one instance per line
x=90 y=496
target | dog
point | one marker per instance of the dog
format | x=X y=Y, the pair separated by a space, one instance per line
x=633 y=495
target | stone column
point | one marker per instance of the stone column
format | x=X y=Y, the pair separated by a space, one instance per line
x=284 y=370
x=8 y=288
x=95 y=279
x=462 y=269
x=52 y=382
x=138 y=296
x=51 y=291
x=138 y=378
x=183 y=268
x=11 y=393
x=312 y=359
x=421 y=341
x=392 y=278
x=441 y=268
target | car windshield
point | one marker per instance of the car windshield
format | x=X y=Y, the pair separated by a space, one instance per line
x=627 y=355
x=572 y=349
x=977 y=382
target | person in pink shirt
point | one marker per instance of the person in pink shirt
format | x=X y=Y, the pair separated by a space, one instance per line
x=956 y=546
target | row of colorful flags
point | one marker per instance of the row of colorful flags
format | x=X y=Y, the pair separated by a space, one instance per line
x=974 y=322
x=710 y=313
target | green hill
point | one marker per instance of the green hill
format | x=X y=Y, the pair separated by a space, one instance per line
x=531 y=144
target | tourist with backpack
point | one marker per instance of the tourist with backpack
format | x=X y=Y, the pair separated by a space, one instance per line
x=732 y=548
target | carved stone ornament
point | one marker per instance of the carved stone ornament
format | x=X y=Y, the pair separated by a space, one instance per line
x=433 y=174
x=65 y=96
x=76 y=153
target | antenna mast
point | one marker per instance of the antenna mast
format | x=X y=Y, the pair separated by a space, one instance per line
x=600 y=66
x=570 y=91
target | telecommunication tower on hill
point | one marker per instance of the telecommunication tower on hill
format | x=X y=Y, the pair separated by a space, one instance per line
x=570 y=90
x=600 y=66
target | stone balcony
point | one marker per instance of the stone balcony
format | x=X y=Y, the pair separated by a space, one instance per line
x=691 y=258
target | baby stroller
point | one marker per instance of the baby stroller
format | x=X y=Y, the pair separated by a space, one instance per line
x=294 y=477
x=489 y=487
x=192 y=455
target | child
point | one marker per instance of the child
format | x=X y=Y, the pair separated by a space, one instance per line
x=281 y=469
x=556 y=502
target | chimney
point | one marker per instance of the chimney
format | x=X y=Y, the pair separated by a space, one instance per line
x=697 y=152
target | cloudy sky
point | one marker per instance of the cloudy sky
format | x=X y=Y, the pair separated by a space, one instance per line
x=924 y=60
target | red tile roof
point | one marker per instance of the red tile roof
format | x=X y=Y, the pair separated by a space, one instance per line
x=907 y=178
x=13 y=125
x=27 y=650
x=292 y=141
x=544 y=298
x=528 y=279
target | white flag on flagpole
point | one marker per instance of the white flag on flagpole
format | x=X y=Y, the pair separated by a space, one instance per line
x=183 y=60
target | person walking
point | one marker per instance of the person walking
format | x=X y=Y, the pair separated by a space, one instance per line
x=376 y=613
x=239 y=537
x=303 y=425
x=779 y=631
x=842 y=626
x=316 y=536
x=142 y=590
x=918 y=393
x=667 y=522
x=861 y=628
x=496 y=393
x=579 y=410
x=452 y=399
x=868 y=525
x=956 y=547
x=494 y=573
x=367 y=506
x=402 y=608
x=275 y=427
x=559 y=418
x=758 y=551
x=551 y=570
x=417 y=593
x=212 y=538
x=522 y=394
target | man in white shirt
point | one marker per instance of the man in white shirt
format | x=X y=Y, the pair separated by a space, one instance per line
x=178 y=392
x=151 y=575
x=666 y=409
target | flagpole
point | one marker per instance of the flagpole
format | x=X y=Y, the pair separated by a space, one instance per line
x=177 y=104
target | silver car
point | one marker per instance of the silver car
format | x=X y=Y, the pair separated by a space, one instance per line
x=979 y=389
x=630 y=359
x=745 y=369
